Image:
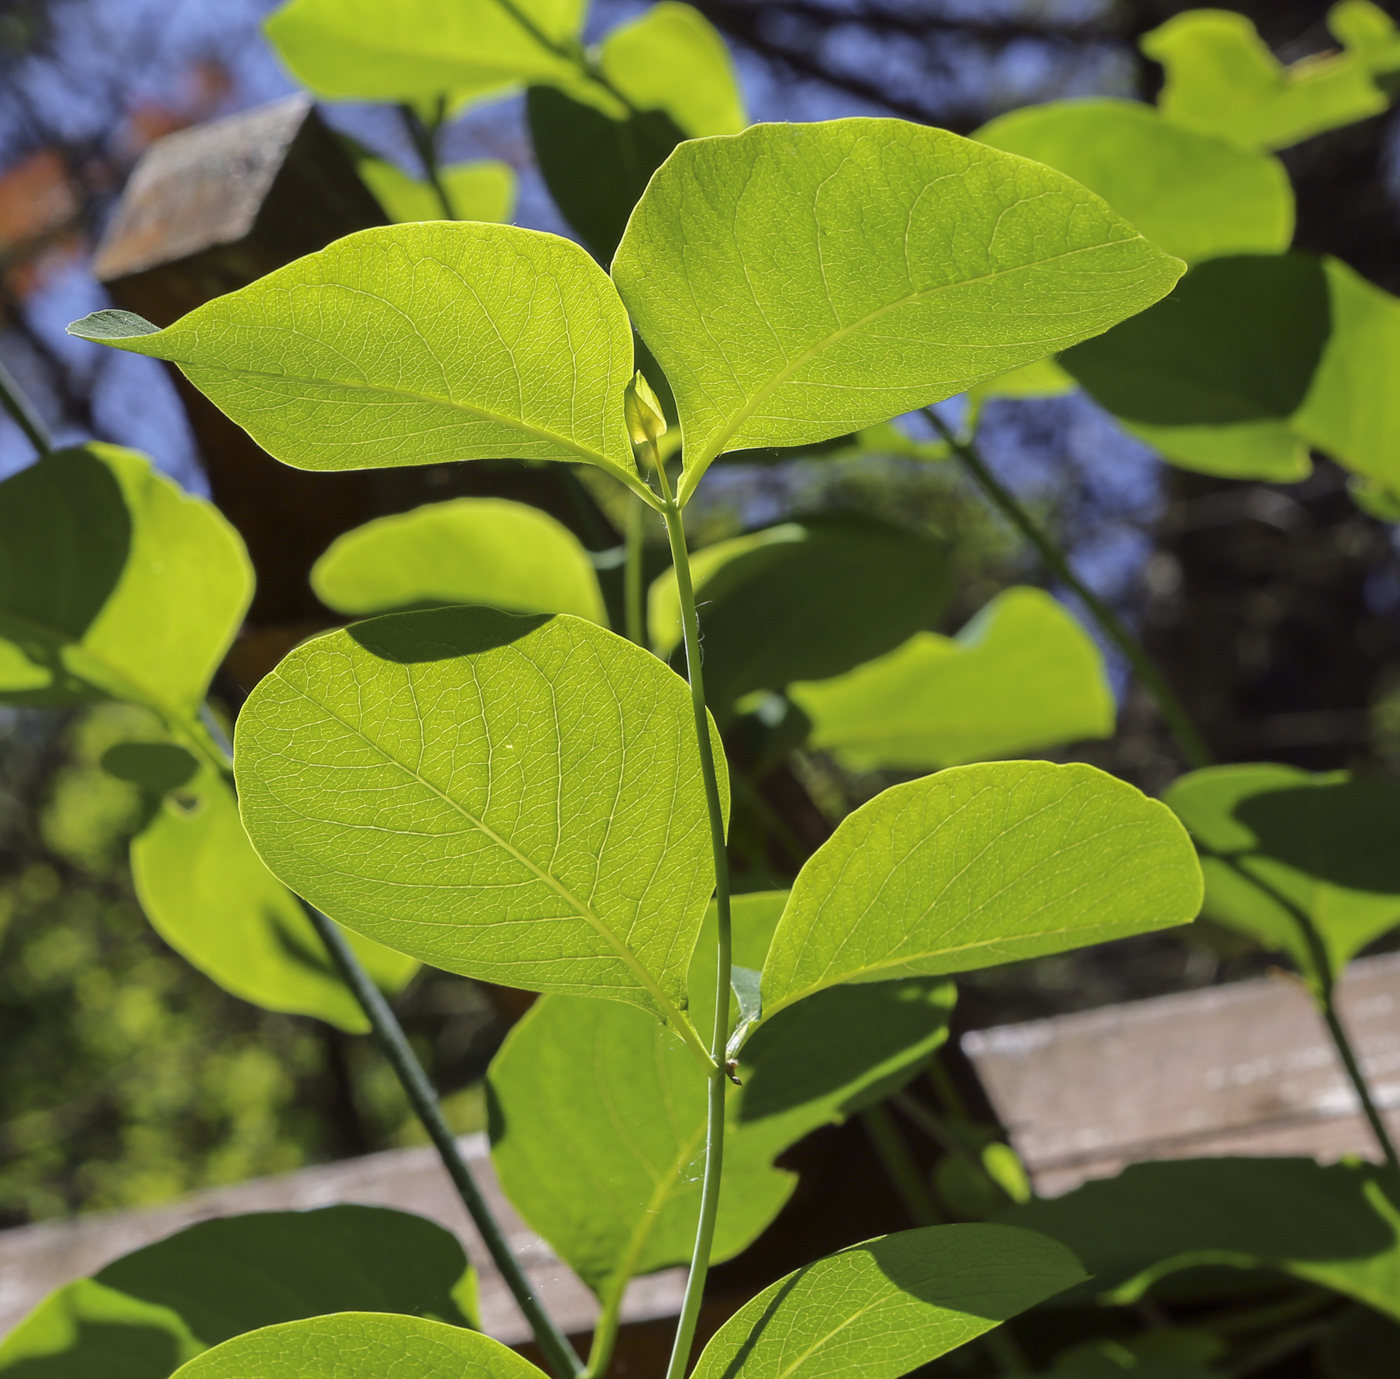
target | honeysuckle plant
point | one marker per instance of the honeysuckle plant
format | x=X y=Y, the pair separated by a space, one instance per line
x=480 y=774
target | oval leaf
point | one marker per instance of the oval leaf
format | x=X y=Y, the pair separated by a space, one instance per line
x=471 y=550
x=476 y=191
x=1306 y=864
x=885 y=1307
x=144 y=1314
x=799 y=281
x=209 y=896
x=516 y=799
x=412 y=344
x=1021 y=676
x=360 y=1345
x=981 y=865
x=114 y=583
x=1194 y=195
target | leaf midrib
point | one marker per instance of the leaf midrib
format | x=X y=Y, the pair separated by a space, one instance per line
x=674 y=1015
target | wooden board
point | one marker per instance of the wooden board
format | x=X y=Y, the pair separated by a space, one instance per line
x=1240 y=1069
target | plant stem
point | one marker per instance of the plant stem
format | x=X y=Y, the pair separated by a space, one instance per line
x=25 y=417
x=1173 y=711
x=714 y=1121
x=632 y=591
x=899 y=1165
x=390 y=1036
x=1327 y=1004
x=425 y=145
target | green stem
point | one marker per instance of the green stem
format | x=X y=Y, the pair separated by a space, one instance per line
x=1173 y=711
x=569 y=52
x=899 y=1165
x=425 y=145
x=25 y=417
x=632 y=590
x=389 y=1033
x=1327 y=1004
x=714 y=1120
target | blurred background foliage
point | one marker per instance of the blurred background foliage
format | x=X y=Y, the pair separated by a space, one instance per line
x=127 y=1077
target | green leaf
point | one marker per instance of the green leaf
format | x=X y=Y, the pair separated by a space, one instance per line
x=1353 y=410
x=885 y=1307
x=1268 y=450
x=355 y=1345
x=1334 y=1226
x=1368 y=34
x=628 y=1099
x=1237 y=341
x=1021 y=676
x=477 y=191
x=516 y=799
x=980 y=865
x=413 y=344
x=469 y=550
x=1283 y=850
x=156 y=767
x=148 y=1312
x=800 y=281
x=363 y=50
x=1191 y=194
x=1044 y=378
x=803 y=601
x=114 y=583
x=1222 y=79
x=672 y=58
x=209 y=896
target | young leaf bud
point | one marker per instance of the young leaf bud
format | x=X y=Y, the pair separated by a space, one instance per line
x=646 y=423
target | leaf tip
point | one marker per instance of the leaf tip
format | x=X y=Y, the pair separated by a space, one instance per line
x=110 y=325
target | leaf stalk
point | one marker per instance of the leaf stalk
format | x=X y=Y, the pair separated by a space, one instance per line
x=633 y=594
x=714 y=1121
x=424 y=139
x=1174 y=712
x=22 y=412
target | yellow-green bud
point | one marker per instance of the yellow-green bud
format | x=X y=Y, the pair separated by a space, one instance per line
x=646 y=423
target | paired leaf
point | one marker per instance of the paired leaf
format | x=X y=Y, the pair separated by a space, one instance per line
x=1305 y=864
x=355 y=1345
x=475 y=191
x=1335 y=1226
x=420 y=49
x=1237 y=341
x=516 y=799
x=412 y=344
x=797 y=282
x=470 y=550
x=1195 y=195
x=806 y=600
x=148 y=1312
x=1222 y=79
x=628 y=1098
x=980 y=865
x=209 y=896
x=890 y=1305
x=1353 y=410
x=1021 y=676
x=113 y=584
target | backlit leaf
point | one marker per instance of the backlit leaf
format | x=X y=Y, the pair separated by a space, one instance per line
x=364 y=50
x=516 y=799
x=469 y=550
x=629 y=1099
x=477 y=191
x=1353 y=410
x=1283 y=850
x=806 y=600
x=1222 y=79
x=209 y=896
x=799 y=281
x=1021 y=676
x=148 y=1312
x=1192 y=194
x=412 y=344
x=1237 y=341
x=114 y=583
x=980 y=865
x=1269 y=450
x=887 y=1306
x=1339 y=1228
x=356 y=1345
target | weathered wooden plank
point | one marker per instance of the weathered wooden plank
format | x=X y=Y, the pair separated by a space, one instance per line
x=1240 y=1069
x=36 y=1259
